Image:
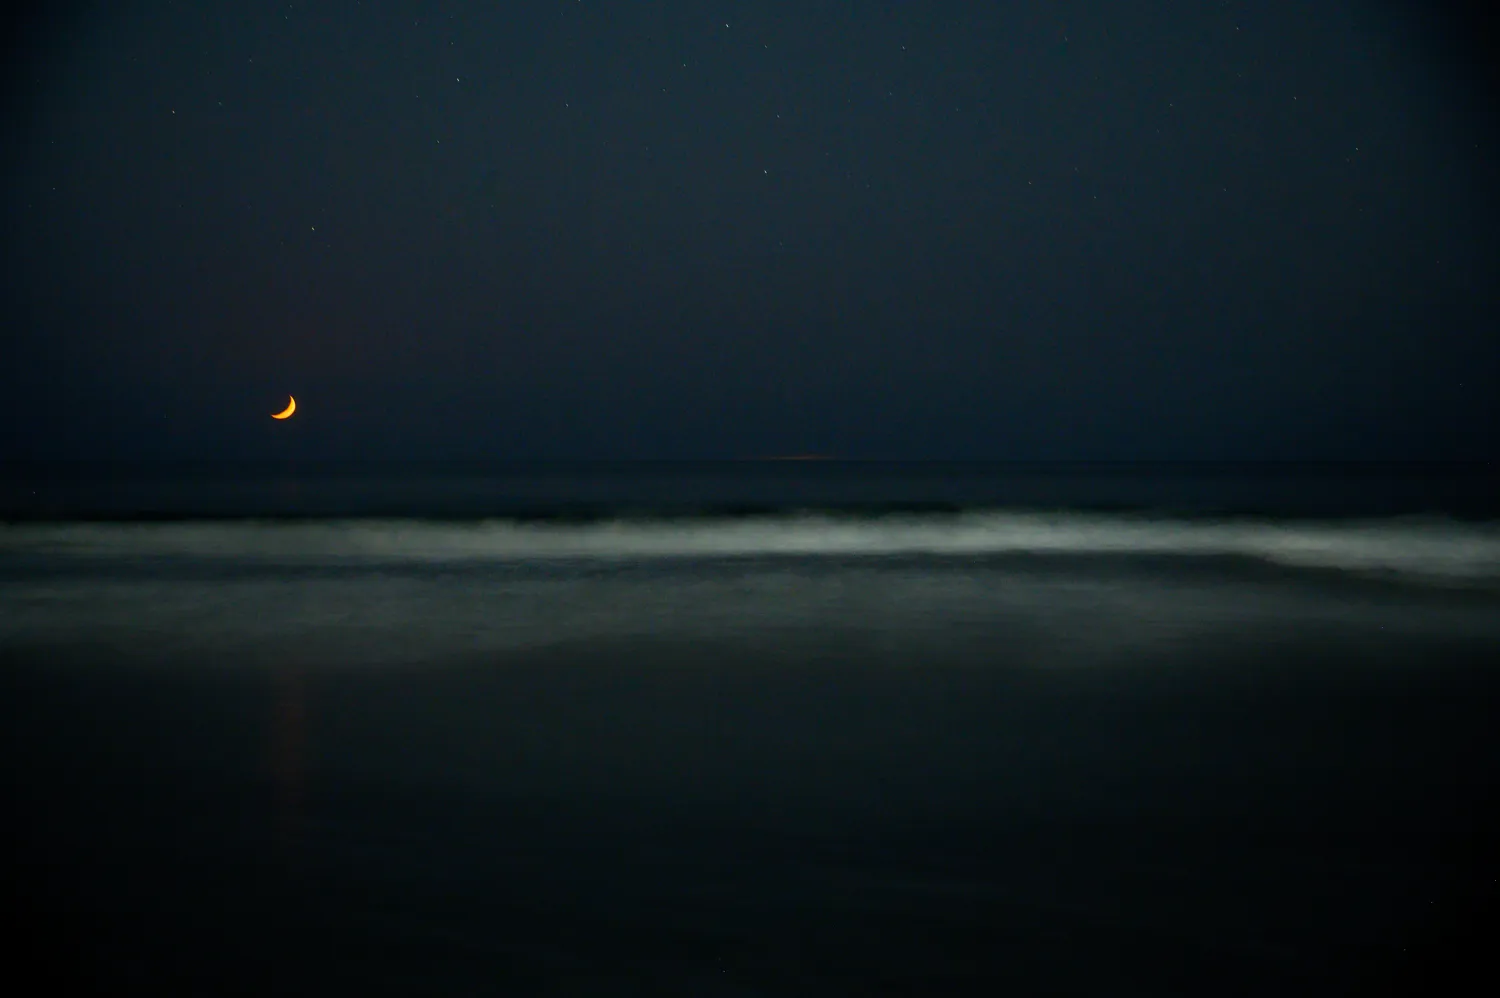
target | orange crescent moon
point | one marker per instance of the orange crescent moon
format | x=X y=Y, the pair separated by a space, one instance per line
x=291 y=407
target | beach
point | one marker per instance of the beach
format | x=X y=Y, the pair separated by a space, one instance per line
x=791 y=774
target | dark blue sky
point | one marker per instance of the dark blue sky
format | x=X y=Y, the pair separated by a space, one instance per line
x=1067 y=230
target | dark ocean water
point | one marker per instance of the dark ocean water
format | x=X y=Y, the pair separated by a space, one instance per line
x=739 y=487
x=753 y=729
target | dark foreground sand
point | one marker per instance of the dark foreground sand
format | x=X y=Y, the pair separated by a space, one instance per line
x=1250 y=812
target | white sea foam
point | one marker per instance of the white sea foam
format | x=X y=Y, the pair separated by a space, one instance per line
x=1432 y=550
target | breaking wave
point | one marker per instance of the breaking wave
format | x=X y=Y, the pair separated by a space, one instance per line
x=1429 y=549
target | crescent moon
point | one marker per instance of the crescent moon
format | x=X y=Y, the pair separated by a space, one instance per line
x=291 y=407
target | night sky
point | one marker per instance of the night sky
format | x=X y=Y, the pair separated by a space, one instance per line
x=670 y=229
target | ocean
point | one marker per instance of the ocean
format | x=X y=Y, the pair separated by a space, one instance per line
x=753 y=728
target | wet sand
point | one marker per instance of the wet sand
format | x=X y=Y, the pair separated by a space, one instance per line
x=1245 y=813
